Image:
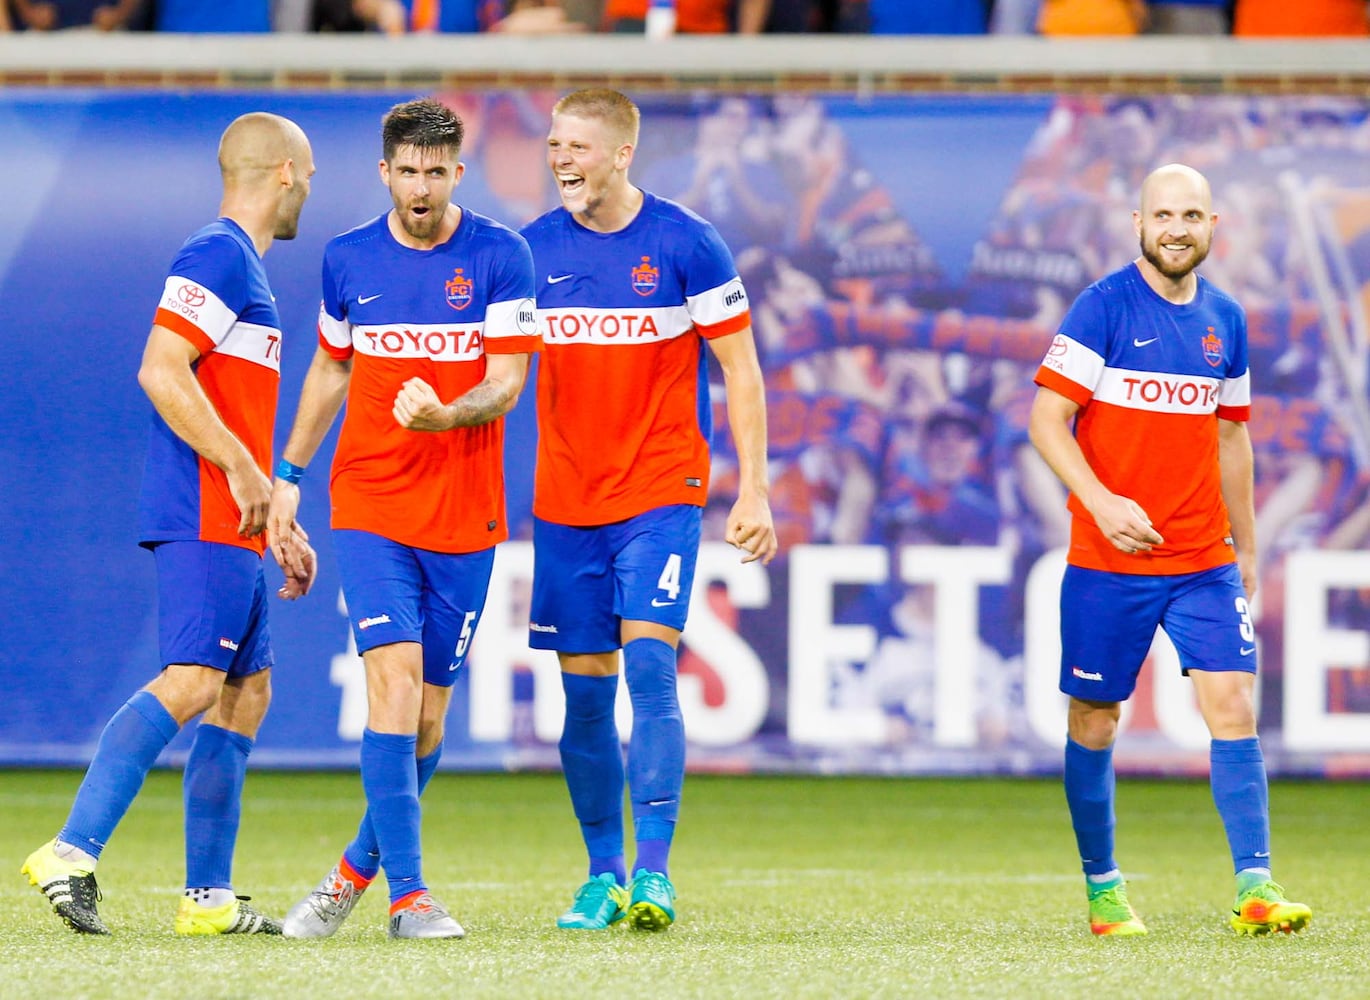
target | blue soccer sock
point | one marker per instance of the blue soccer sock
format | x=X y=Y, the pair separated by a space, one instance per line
x=364 y=853
x=592 y=761
x=1089 y=782
x=390 y=780
x=1237 y=777
x=128 y=748
x=213 y=792
x=656 y=749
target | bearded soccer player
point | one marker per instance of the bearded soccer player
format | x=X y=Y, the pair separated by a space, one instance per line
x=211 y=368
x=1141 y=411
x=425 y=330
x=630 y=288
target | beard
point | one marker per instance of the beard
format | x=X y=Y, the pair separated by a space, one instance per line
x=422 y=227
x=1152 y=253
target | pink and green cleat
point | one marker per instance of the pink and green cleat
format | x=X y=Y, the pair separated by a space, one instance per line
x=1110 y=913
x=1262 y=909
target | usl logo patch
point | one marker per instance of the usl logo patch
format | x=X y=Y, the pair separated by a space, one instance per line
x=459 y=288
x=645 y=277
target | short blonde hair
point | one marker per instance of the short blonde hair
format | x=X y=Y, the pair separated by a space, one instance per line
x=616 y=110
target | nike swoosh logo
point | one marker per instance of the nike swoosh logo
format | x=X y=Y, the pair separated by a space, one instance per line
x=1143 y=343
x=364 y=299
x=557 y=279
x=1247 y=650
x=661 y=604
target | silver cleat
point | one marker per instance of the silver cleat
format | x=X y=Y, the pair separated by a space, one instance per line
x=424 y=918
x=323 y=911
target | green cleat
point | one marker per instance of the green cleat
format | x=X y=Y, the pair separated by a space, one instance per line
x=599 y=904
x=652 y=907
x=1110 y=913
x=231 y=918
x=1262 y=909
x=70 y=889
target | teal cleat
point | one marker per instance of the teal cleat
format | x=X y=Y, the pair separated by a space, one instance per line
x=652 y=907
x=599 y=904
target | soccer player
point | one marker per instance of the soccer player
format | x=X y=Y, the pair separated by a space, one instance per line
x=211 y=368
x=630 y=286
x=425 y=330
x=1141 y=410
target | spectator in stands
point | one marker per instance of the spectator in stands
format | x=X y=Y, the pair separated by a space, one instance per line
x=789 y=17
x=1092 y=17
x=1187 y=17
x=208 y=16
x=398 y=17
x=53 y=15
x=693 y=17
x=1281 y=18
x=930 y=17
x=1015 y=17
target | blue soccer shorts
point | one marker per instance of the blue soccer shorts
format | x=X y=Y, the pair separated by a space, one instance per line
x=587 y=581
x=1108 y=621
x=398 y=593
x=211 y=607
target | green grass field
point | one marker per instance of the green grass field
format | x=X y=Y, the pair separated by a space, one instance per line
x=789 y=887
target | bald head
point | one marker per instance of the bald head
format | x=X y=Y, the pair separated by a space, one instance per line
x=257 y=143
x=1174 y=227
x=1176 y=181
x=266 y=163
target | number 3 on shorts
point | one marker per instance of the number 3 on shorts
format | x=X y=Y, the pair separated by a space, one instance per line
x=670 y=576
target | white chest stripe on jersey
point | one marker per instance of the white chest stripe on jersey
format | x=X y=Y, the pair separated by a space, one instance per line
x=436 y=342
x=574 y=325
x=1158 y=392
x=251 y=342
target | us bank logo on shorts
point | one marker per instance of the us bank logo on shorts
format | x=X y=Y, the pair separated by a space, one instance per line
x=535 y=627
x=1085 y=675
x=227 y=643
x=366 y=623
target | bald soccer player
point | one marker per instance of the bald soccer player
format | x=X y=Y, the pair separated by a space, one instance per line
x=1141 y=411
x=211 y=368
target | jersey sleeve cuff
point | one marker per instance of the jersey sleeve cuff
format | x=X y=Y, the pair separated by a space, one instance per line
x=1058 y=383
x=513 y=345
x=732 y=324
x=181 y=326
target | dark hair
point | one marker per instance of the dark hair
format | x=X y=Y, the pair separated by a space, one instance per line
x=424 y=124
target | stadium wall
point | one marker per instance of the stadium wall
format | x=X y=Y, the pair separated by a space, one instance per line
x=932 y=206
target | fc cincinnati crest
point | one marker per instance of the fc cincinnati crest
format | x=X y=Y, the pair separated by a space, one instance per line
x=644 y=277
x=459 y=290
x=1213 y=349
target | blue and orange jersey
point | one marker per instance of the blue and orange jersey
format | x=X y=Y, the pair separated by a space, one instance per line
x=1152 y=379
x=624 y=422
x=216 y=296
x=401 y=313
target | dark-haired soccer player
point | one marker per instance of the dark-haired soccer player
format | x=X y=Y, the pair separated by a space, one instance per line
x=1141 y=412
x=630 y=288
x=211 y=367
x=426 y=327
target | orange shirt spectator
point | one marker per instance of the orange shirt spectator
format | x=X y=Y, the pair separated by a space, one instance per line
x=1282 y=18
x=693 y=17
x=1091 y=17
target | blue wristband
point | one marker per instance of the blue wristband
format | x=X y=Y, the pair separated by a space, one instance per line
x=289 y=471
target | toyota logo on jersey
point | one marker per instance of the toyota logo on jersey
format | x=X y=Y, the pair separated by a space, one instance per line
x=191 y=295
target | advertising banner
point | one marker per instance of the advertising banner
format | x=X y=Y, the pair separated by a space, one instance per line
x=908 y=260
